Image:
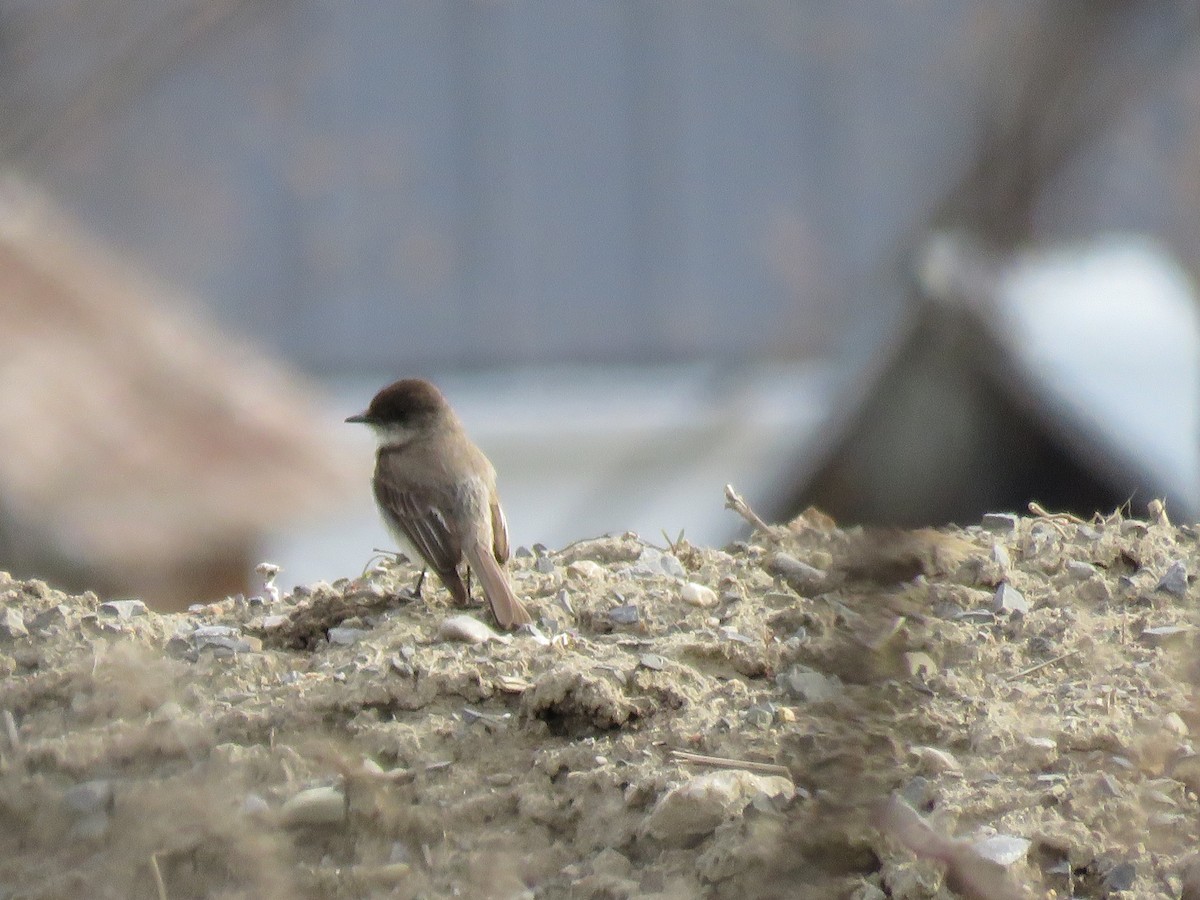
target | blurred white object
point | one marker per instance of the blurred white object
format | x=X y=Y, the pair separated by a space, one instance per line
x=1104 y=339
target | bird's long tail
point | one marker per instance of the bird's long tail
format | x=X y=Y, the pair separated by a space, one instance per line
x=508 y=610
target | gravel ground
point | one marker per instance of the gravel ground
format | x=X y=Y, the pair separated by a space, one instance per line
x=998 y=711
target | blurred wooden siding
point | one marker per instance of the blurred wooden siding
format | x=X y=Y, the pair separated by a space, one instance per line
x=471 y=182
x=401 y=185
x=142 y=451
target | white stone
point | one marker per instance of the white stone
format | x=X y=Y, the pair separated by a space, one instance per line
x=699 y=805
x=698 y=595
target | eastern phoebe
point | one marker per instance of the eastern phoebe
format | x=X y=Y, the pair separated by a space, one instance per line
x=437 y=493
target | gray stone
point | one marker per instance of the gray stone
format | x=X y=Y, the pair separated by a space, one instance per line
x=1000 y=523
x=346 y=636
x=55 y=615
x=652 y=562
x=1175 y=580
x=761 y=717
x=1009 y=601
x=1079 y=570
x=563 y=599
x=89 y=797
x=224 y=637
x=626 y=614
x=1000 y=557
x=975 y=615
x=800 y=576
x=124 y=609
x=696 y=807
x=1161 y=635
x=12 y=623
x=652 y=661
x=808 y=685
x=1120 y=877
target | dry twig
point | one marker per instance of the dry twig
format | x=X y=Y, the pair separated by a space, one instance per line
x=722 y=762
x=1041 y=665
x=159 y=884
x=734 y=501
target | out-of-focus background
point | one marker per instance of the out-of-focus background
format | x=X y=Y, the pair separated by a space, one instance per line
x=910 y=261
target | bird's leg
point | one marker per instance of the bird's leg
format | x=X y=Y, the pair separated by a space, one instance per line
x=416 y=591
x=469 y=601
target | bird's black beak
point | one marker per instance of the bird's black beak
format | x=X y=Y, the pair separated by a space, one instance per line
x=362 y=419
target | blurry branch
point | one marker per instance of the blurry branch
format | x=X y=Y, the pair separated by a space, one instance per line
x=967 y=873
x=34 y=39
x=1079 y=66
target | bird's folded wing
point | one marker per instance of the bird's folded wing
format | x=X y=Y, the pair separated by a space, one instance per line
x=418 y=517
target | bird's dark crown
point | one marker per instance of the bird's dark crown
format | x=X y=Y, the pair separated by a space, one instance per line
x=404 y=401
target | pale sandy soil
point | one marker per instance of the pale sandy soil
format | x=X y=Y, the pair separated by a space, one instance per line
x=145 y=758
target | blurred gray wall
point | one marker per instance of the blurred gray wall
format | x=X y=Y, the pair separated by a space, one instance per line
x=398 y=185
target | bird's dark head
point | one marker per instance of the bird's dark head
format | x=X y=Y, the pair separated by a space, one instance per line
x=402 y=410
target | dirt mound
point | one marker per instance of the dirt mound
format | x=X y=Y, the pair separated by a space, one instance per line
x=684 y=722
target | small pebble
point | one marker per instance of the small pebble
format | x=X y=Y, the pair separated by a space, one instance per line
x=224 y=637
x=1134 y=528
x=1095 y=590
x=168 y=711
x=563 y=599
x=586 y=570
x=761 y=717
x=12 y=623
x=934 y=761
x=919 y=792
x=652 y=562
x=919 y=665
x=346 y=636
x=699 y=805
x=652 y=661
x=1000 y=557
x=1009 y=601
x=315 y=806
x=626 y=614
x=466 y=629
x=91 y=827
x=89 y=797
x=808 y=685
x=255 y=806
x=1004 y=849
x=1160 y=635
x=695 y=594
x=1175 y=580
x=1174 y=723
x=1120 y=877
x=975 y=615
x=124 y=609
x=732 y=634
x=55 y=615
x=800 y=576
x=1000 y=523
x=1080 y=570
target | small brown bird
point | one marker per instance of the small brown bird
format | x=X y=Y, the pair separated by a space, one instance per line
x=436 y=492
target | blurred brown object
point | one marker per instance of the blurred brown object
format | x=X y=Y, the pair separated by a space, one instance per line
x=142 y=451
